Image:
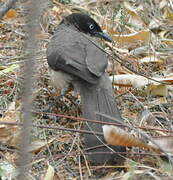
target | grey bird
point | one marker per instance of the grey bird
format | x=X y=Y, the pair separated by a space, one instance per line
x=75 y=60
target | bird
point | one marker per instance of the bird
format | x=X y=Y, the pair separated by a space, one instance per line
x=76 y=59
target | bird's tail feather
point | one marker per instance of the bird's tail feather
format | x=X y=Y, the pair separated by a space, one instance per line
x=99 y=98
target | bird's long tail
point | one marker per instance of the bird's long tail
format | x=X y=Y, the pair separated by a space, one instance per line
x=99 y=98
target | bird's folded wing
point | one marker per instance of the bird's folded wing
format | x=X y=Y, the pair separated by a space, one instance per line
x=96 y=59
x=83 y=60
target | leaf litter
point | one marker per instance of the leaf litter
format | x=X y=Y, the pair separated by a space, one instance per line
x=142 y=32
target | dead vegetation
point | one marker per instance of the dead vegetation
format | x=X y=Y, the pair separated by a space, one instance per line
x=141 y=69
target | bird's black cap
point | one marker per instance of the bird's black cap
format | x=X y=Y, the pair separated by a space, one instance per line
x=84 y=23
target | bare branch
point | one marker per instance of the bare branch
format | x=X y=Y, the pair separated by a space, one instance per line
x=31 y=47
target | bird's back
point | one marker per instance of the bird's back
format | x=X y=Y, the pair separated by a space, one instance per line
x=72 y=51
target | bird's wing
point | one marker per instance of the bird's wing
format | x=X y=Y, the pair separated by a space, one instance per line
x=96 y=59
x=78 y=57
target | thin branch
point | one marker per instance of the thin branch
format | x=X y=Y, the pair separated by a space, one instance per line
x=144 y=135
x=118 y=59
x=96 y=121
x=31 y=46
x=51 y=127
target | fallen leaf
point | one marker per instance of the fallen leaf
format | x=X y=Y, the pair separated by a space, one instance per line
x=141 y=37
x=132 y=175
x=10 y=134
x=157 y=90
x=9 y=82
x=168 y=14
x=56 y=9
x=50 y=173
x=140 y=51
x=118 y=137
x=149 y=86
x=168 y=78
x=163 y=3
x=11 y=14
x=36 y=146
x=151 y=59
x=9 y=69
x=129 y=80
x=147 y=118
x=134 y=18
x=165 y=142
x=7 y=170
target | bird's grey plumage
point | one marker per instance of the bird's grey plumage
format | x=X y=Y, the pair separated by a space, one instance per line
x=70 y=52
x=99 y=98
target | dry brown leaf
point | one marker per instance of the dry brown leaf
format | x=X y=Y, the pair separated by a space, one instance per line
x=11 y=14
x=163 y=3
x=168 y=14
x=9 y=134
x=134 y=17
x=56 y=9
x=142 y=37
x=132 y=175
x=165 y=142
x=37 y=146
x=155 y=24
x=151 y=59
x=151 y=87
x=168 y=78
x=157 y=90
x=158 y=101
x=118 y=137
x=43 y=35
x=9 y=69
x=147 y=118
x=168 y=41
x=8 y=169
x=162 y=34
x=2 y=67
x=50 y=173
x=140 y=51
x=129 y=80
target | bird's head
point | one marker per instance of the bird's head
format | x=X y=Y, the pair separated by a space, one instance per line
x=87 y=25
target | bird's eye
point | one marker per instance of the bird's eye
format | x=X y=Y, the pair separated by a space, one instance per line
x=91 y=26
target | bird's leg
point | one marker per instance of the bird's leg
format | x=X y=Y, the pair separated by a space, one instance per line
x=63 y=93
x=65 y=90
x=58 y=96
x=74 y=94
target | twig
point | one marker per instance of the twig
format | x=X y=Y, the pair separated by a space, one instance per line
x=118 y=59
x=133 y=154
x=51 y=127
x=144 y=135
x=80 y=169
x=96 y=121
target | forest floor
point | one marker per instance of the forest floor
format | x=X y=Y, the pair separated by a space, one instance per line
x=143 y=44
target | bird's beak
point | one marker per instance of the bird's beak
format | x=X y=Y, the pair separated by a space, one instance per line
x=103 y=35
